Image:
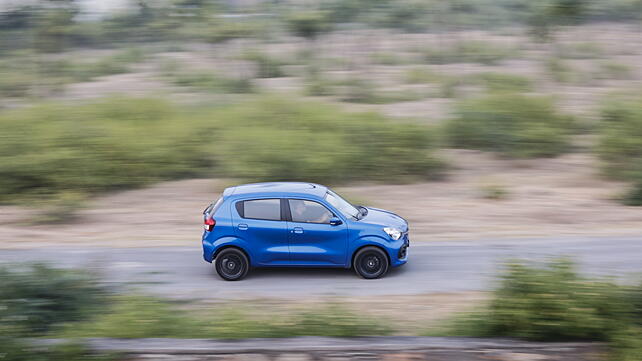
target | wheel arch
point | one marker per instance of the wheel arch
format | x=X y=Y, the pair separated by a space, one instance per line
x=228 y=246
x=374 y=245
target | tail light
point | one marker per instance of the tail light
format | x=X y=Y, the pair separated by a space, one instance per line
x=209 y=224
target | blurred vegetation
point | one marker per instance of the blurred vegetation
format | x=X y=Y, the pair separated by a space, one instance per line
x=469 y=52
x=33 y=299
x=512 y=124
x=51 y=149
x=36 y=299
x=620 y=143
x=140 y=317
x=41 y=301
x=267 y=66
x=554 y=303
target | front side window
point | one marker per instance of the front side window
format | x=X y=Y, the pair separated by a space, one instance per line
x=309 y=211
x=267 y=209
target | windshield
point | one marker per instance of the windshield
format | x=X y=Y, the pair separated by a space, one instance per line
x=342 y=205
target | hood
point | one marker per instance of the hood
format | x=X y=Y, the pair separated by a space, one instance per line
x=384 y=218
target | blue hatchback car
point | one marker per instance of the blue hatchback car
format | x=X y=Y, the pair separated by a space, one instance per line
x=287 y=224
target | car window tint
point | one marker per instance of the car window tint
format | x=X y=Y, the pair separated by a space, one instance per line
x=269 y=209
x=309 y=211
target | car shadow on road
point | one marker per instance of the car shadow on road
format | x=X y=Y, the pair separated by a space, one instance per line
x=314 y=273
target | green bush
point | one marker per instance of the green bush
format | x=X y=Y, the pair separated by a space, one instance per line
x=224 y=30
x=273 y=139
x=503 y=82
x=420 y=76
x=212 y=82
x=511 y=124
x=620 y=145
x=33 y=299
x=559 y=70
x=267 y=66
x=121 y=143
x=111 y=144
x=551 y=303
x=554 y=303
x=469 y=52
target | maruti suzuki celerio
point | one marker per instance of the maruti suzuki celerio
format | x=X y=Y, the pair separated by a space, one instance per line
x=288 y=224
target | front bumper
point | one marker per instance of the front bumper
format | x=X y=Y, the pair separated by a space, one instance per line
x=400 y=255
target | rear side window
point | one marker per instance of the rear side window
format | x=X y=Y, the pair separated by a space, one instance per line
x=267 y=209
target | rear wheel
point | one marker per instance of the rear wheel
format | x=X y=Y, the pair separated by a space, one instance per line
x=231 y=264
x=370 y=263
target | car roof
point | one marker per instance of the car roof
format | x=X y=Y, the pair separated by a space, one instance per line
x=277 y=189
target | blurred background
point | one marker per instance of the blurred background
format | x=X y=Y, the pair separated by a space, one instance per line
x=479 y=121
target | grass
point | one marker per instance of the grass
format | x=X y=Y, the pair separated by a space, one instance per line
x=142 y=316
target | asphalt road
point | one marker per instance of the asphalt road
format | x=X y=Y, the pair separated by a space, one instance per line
x=432 y=267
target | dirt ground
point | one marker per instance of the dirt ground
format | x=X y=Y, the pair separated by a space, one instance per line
x=561 y=197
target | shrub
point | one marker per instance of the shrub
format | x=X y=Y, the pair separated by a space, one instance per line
x=213 y=82
x=554 y=303
x=122 y=143
x=95 y=147
x=420 y=76
x=613 y=70
x=620 y=143
x=550 y=303
x=469 y=52
x=308 y=24
x=267 y=66
x=330 y=145
x=503 y=82
x=559 y=70
x=224 y=30
x=514 y=125
x=36 y=298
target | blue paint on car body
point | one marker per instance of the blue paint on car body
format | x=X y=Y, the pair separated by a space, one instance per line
x=295 y=224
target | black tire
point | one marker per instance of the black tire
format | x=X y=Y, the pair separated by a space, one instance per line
x=371 y=263
x=231 y=264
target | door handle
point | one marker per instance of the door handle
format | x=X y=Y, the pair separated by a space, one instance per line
x=243 y=227
x=297 y=230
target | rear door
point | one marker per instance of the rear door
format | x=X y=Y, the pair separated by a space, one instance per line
x=313 y=241
x=260 y=223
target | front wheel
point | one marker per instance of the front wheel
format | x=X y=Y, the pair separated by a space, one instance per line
x=231 y=264
x=370 y=263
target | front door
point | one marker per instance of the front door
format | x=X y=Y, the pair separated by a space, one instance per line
x=313 y=240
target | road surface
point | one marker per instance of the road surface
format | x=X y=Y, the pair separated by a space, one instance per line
x=180 y=272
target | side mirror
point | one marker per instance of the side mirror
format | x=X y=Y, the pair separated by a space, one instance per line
x=335 y=221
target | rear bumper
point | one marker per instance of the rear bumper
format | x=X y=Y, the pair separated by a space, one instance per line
x=208 y=251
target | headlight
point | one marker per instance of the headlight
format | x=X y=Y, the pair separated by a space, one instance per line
x=394 y=233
